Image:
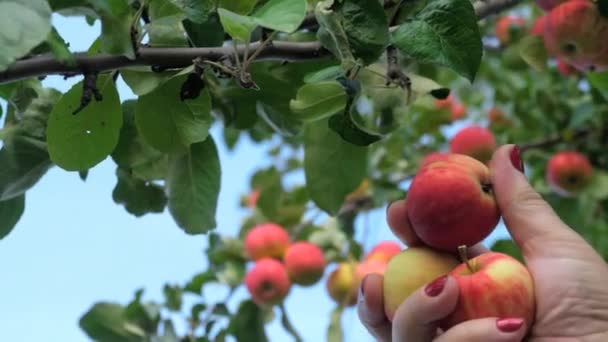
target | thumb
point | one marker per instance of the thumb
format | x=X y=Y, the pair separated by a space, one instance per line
x=531 y=221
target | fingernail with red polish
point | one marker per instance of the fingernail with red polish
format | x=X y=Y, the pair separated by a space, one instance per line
x=509 y=324
x=434 y=288
x=516 y=159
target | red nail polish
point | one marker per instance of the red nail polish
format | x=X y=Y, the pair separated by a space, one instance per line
x=434 y=288
x=516 y=159
x=509 y=324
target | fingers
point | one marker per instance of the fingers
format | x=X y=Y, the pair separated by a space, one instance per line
x=486 y=329
x=396 y=216
x=533 y=224
x=370 y=307
x=417 y=317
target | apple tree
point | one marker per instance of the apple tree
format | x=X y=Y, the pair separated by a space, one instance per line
x=352 y=94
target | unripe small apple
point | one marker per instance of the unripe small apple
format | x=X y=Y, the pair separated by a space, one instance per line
x=266 y=240
x=305 y=263
x=450 y=203
x=342 y=284
x=410 y=270
x=475 y=141
x=492 y=285
x=383 y=251
x=568 y=173
x=267 y=282
x=505 y=27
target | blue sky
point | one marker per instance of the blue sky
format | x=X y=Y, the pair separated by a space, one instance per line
x=74 y=246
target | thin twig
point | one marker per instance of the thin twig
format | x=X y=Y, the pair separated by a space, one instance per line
x=554 y=139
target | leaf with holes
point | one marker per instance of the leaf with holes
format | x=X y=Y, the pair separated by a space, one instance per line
x=82 y=140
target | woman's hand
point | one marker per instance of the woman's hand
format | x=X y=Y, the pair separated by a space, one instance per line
x=570 y=278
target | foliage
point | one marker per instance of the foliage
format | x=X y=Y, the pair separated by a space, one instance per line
x=319 y=88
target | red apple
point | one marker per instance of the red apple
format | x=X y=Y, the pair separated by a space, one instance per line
x=383 y=251
x=432 y=157
x=505 y=26
x=445 y=104
x=458 y=111
x=342 y=284
x=305 y=263
x=492 y=285
x=475 y=141
x=566 y=69
x=266 y=240
x=548 y=5
x=576 y=32
x=267 y=282
x=410 y=270
x=538 y=28
x=450 y=203
x=569 y=172
x=252 y=199
x=369 y=267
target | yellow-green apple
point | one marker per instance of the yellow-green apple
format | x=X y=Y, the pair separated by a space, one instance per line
x=492 y=285
x=410 y=270
x=576 y=32
x=506 y=26
x=267 y=282
x=266 y=240
x=342 y=284
x=475 y=141
x=450 y=203
x=568 y=172
x=305 y=263
x=383 y=251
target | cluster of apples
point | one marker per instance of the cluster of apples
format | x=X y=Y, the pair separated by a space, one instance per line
x=450 y=206
x=574 y=32
x=343 y=283
x=279 y=263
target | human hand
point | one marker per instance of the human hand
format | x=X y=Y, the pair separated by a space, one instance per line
x=570 y=278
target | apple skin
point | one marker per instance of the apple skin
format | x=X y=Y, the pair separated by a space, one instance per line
x=574 y=32
x=450 y=203
x=383 y=251
x=499 y=287
x=497 y=117
x=342 y=284
x=504 y=25
x=267 y=282
x=305 y=263
x=475 y=141
x=266 y=240
x=566 y=69
x=458 y=111
x=410 y=270
x=548 y=5
x=568 y=173
x=538 y=28
x=432 y=157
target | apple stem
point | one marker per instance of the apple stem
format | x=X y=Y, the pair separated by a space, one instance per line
x=462 y=250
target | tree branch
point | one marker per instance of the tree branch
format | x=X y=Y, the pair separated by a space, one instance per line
x=554 y=139
x=485 y=9
x=158 y=57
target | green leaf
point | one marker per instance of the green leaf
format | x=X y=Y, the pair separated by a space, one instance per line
x=145 y=315
x=445 y=32
x=105 y=322
x=169 y=124
x=508 y=246
x=132 y=152
x=197 y=11
x=24 y=24
x=116 y=22
x=316 y=101
x=137 y=196
x=193 y=186
x=142 y=80
x=532 y=50
x=347 y=128
x=10 y=213
x=242 y=7
x=270 y=195
x=195 y=285
x=598 y=187
x=247 y=325
x=173 y=297
x=333 y=167
x=330 y=73
x=82 y=140
x=208 y=33
x=239 y=27
x=366 y=27
x=334 y=332
x=281 y=15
